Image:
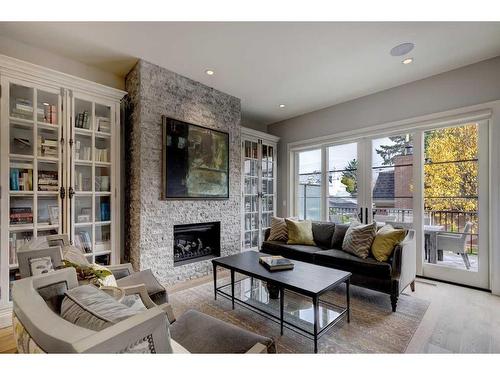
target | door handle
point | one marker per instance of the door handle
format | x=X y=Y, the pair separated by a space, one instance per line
x=360 y=215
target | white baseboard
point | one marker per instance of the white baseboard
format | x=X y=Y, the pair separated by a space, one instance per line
x=5 y=317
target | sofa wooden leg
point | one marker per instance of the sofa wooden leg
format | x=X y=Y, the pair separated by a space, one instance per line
x=394 y=302
x=412 y=286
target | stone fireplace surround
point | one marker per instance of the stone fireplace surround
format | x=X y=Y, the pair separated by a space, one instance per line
x=149 y=222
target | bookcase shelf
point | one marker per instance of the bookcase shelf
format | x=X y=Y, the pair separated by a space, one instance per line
x=35 y=114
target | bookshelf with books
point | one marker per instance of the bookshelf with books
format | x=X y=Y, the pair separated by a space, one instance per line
x=58 y=164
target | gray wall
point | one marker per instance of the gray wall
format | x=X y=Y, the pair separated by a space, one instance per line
x=155 y=91
x=473 y=84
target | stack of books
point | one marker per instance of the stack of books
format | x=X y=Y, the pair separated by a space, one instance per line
x=82 y=120
x=276 y=263
x=21 y=215
x=48 y=181
x=49 y=114
x=47 y=147
x=82 y=183
x=21 y=177
x=81 y=153
x=22 y=108
x=82 y=241
x=103 y=124
x=101 y=154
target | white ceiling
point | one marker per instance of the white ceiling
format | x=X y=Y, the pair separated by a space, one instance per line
x=306 y=66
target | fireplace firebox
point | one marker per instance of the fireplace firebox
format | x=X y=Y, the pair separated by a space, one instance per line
x=196 y=242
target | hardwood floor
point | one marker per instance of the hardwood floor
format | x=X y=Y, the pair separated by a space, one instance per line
x=458 y=320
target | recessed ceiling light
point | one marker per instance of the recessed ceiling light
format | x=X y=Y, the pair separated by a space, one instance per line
x=402 y=49
x=210 y=72
x=407 y=61
x=282 y=106
x=45 y=103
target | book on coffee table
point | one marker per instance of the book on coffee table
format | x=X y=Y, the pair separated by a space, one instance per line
x=276 y=263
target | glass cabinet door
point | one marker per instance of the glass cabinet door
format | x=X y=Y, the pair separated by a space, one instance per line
x=34 y=166
x=251 y=194
x=258 y=191
x=92 y=170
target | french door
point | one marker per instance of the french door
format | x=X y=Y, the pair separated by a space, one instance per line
x=433 y=180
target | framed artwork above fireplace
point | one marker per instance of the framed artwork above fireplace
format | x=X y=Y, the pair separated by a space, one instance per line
x=195 y=161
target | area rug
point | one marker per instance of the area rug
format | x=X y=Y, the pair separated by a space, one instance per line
x=374 y=328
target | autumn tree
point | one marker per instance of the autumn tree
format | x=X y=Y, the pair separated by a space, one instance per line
x=451 y=169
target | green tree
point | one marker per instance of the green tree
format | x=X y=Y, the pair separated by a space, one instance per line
x=349 y=177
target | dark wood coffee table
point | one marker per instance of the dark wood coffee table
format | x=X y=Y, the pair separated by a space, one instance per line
x=303 y=282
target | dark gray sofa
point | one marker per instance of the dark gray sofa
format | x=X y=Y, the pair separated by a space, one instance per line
x=390 y=277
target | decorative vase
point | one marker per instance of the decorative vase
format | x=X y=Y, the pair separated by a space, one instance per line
x=273 y=291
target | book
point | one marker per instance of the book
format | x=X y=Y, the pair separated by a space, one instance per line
x=276 y=263
x=21 y=215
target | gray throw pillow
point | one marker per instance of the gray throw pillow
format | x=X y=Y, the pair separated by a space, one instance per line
x=338 y=236
x=89 y=307
x=359 y=238
x=322 y=233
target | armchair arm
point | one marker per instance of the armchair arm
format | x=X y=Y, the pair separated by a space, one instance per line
x=125 y=334
x=404 y=263
x=139 y=289
x=121 y=270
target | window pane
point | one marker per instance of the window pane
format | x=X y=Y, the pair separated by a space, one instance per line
x=451 y=176
x=343 y=183
x=309 y=189
x=392 y=180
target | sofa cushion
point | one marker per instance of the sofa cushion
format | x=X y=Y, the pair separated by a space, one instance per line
x=298 y=252
x=201 y=333
x=299 y=232
x=338 y=236
x=359 y=238
x=322 y=233
x=91 y=308
x=386 y=239
x=347 y=262
x=279 y=231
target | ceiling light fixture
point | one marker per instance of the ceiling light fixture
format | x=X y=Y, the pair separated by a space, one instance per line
x=282 y=106
x=407 y=61
x=210 y=72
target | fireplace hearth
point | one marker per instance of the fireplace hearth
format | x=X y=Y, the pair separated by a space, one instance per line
x=196 y=242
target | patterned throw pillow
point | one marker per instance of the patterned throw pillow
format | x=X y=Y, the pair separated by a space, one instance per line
x=41 y=265
x=279 y=231
x=359 y=238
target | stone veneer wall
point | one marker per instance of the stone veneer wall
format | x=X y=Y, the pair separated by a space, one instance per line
x=153 y=92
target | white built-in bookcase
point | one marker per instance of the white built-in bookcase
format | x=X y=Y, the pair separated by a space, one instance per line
x=59 y=164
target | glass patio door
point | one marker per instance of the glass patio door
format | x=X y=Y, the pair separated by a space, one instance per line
x=455 y=200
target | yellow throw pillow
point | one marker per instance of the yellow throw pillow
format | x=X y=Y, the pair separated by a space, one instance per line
x=299 y=232
x=386 y=239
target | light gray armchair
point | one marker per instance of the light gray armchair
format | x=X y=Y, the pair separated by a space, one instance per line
x=38 y=327
x=455 y=243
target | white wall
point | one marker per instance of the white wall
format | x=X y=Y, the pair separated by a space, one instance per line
x=39 y=56
x=465 y=88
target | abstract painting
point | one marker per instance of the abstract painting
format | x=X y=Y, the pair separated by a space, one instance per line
x=195 y=161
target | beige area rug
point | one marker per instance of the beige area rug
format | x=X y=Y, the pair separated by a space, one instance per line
x=374 y=328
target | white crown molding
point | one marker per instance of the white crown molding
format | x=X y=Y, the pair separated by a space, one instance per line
x=20 y=69
x=259 y=134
